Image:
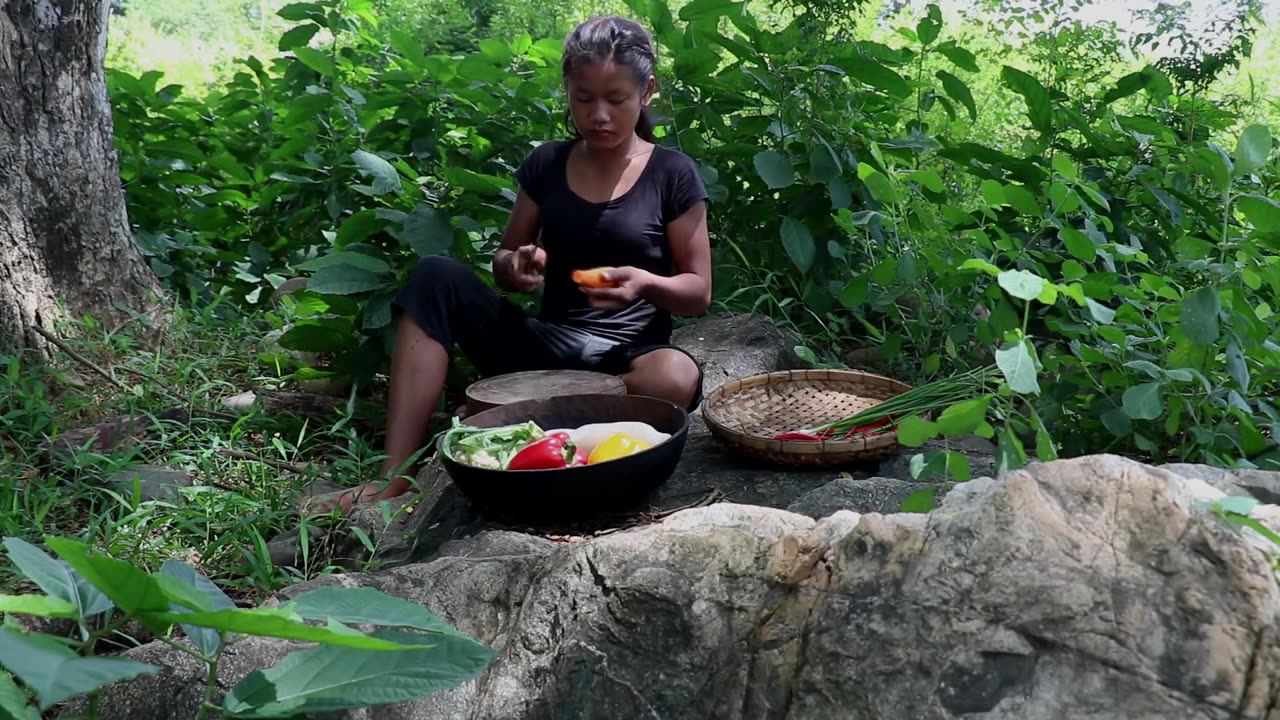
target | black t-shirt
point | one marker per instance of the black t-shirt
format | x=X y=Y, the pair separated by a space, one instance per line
x=629 y=230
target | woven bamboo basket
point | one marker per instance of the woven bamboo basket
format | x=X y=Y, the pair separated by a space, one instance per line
x=746 y=414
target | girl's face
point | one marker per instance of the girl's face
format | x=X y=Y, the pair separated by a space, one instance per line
x=605 y=102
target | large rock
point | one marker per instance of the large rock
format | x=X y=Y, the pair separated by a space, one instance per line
x=734 y=346
x=1088 y=588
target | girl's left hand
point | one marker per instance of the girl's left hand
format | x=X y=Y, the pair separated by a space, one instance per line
x=631 y=283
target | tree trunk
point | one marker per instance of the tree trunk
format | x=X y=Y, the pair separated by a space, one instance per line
x=64 y=236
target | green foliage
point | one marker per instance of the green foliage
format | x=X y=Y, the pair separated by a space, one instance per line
x=1099 y=244
x=412 y=655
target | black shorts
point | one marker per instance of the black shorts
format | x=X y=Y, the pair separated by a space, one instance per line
x=454 y=306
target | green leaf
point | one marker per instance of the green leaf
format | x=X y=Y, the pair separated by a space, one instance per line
x=1022 y=200
x=297 y=37
x=1078 y=244
x=298 y=12
x=798 y=242
x=1117 y=422
x=366 y=606
x=465 y=179
x=1010 y=455
x=959 y=56
x=38 y=605
x=823 y=166
x=56 y=578
x=55 y=673
x=1127 y=85
x=1216 y=165
x=1198 y=316
x=319 y=335
x=344 y=280
x=929 y=179
x=1253 y=148
x=428 y=231
x=1045 y=450
x=385 y=177
x=1237 y=504
x=1262 y=212
x=1143 y=402
x=1237 y=366
x=708 y=9
x=872 y=73
x=914 y=431
x=358 y=228
x=930 y=26
x=964 y=418
x=920 y=501
x=980 y=264
x=840 y=193
x=181 y=149
x=1021 y=284
x=13 y=701
x=776 y=170
x=328 y=679
x=208 y=641
x=1014 y=361
x=1101 y=314
x=377 y=312
x=316 y=60
x=408 y=47
x=132 y=590
x=1039 y=107
x=284 y=623
x=854 y=294
x=959 y=91
x=881 y=187
x=345 y=258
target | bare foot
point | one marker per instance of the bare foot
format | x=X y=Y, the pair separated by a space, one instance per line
x=344 y=500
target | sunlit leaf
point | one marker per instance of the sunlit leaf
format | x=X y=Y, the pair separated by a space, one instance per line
x=1252 y=149
x=1018 y=368
x=1143 y=402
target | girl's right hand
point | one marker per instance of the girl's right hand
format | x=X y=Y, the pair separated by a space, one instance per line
x=527 y=265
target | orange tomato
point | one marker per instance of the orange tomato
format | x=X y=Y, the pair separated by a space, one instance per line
x=593 y=278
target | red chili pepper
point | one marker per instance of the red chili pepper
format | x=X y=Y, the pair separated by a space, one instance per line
x=553 y=451
x=579 y=458
x=798 y=436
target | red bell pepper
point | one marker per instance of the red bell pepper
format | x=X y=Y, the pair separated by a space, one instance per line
x=551 y=452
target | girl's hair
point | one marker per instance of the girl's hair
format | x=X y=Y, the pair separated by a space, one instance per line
x=620 y=40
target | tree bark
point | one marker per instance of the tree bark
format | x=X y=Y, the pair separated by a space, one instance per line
x=64 y=235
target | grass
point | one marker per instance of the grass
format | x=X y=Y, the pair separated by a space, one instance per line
x=241 y=498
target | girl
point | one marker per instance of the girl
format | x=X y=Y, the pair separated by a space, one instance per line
x=608 y=197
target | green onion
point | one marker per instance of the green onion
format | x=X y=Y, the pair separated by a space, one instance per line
x=930 y=397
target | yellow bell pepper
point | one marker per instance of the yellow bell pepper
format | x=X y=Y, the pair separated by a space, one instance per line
x=617 y=446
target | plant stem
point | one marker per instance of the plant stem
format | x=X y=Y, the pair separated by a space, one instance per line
x=94 y=698
x=211 y=683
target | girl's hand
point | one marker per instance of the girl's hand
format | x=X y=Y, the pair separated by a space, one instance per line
x=524 y=273
x=630 y=282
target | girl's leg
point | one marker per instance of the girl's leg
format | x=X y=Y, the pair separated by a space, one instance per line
x=418 y=367
x=444 y=303
x=665 y=373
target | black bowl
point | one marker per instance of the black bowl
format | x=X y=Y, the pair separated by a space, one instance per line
x=578 y=493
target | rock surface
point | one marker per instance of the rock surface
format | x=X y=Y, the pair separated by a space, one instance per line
x=1088 y=588
x=877 y=494
x=734 y=346
x=153 y=482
